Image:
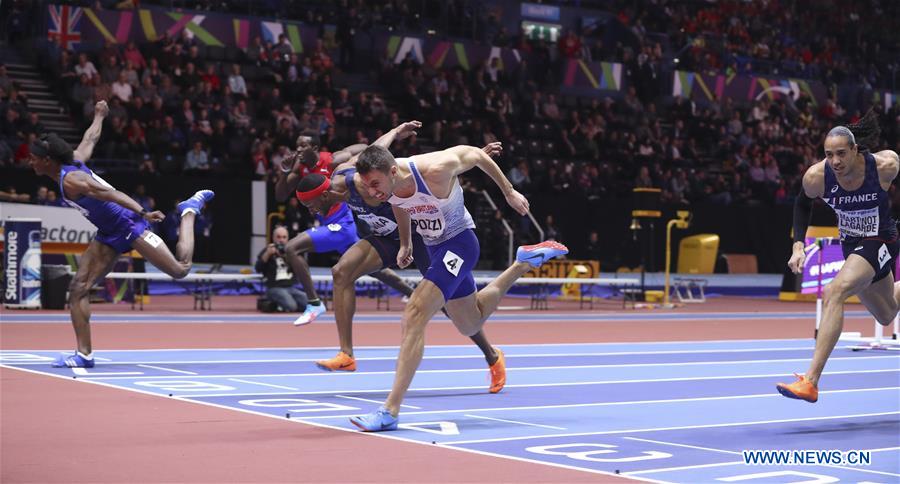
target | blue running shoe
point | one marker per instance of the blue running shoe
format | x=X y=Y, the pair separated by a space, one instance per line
x=377 y=421
x=537 y=254
x=75 y=360
x=196 y=202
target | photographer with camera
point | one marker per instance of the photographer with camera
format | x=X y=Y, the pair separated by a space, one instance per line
x=279 y=278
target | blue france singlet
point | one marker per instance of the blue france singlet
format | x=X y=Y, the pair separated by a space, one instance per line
x=107 y=216
x=380 y=218
x=864 y=212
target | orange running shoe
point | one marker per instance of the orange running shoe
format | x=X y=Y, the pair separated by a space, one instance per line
x=801 y=389
x=341 y=362
x=498 y=372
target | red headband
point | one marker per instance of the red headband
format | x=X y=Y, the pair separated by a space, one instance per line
x=315 y=192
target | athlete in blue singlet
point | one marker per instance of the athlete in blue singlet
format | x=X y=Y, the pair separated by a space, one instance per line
x=376 y=251
x=122 y=225
x=426 y=189
x=854 y=182
x=336 y=231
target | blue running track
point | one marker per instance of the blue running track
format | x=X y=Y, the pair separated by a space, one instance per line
x=661 y=412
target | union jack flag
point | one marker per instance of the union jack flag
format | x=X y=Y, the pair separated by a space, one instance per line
x=63 y=25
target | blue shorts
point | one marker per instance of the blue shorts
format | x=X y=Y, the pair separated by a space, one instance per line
x=126 y=231
x=336 y=237
x=452 y=262
x=388 y=247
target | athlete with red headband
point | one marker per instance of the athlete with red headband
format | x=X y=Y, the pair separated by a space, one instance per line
x=336 y=231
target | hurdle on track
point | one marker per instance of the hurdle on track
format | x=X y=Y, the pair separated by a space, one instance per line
x=878 y=341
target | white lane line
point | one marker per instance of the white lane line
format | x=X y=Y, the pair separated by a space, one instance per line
x=375 y=401
x=681 y=468
x=463 y=346
x=183 y=372
x=516 y=422
x=262 y=384
x=453 y=357
x=673 y=444
x=612 y=404
x=554 y=368
x=542 y=385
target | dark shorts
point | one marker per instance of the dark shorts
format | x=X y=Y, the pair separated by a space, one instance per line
x=388 y=247
x=880 y=254
x=452 y=262
x=127 y=231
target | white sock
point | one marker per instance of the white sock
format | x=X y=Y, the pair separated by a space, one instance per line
x=89 y=356
x=188 y=210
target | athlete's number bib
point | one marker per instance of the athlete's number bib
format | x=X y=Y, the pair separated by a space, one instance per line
x=430 y=228
x=378 y=224
x=858 y=223
x=429 y=220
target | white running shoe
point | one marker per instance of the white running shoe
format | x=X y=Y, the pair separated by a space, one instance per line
x=310 y=314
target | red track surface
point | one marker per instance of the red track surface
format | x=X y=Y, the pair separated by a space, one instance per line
x=55 y=430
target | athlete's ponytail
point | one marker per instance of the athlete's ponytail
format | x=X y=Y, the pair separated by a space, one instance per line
x=867 y=131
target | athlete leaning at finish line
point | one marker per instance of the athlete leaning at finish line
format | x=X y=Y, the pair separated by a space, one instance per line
x=337 y=229
x=426 y=189
x=376 y=251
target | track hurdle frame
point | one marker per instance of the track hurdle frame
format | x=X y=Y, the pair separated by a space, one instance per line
x=878 y=341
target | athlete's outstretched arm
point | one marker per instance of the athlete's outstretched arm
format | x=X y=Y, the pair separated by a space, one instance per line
x=92 y=135
x=79 y=183
x=340 y=157
x=464 y=158
x=401 y=131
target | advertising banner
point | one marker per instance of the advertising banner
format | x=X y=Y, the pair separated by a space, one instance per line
x=58 y=224
x=22 y=263
x=565 y=268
